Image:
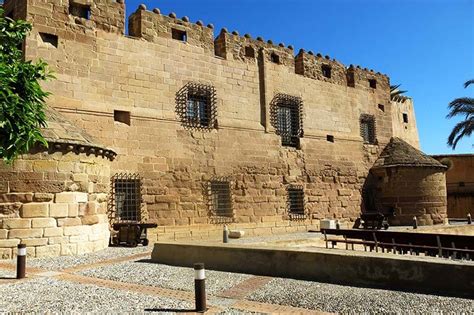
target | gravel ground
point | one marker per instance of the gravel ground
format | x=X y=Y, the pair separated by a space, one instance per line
x=64 y=262
x=346 y=299
x=49 y=295
x=171 y=277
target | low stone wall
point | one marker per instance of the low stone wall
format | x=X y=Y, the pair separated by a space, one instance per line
x=214 y=231
x=55 y=203
x=408 y=273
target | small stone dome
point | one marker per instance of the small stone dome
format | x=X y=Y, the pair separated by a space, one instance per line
x=54 y=200
x=409 y=184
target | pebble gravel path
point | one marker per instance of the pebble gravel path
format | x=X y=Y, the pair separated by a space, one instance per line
x=50 y=295
x=171 y=277
x=65 y=262
x=355 y=300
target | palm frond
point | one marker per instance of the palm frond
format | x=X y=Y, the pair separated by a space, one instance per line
x=467 y=83
x=462 y=129
x=461 y=106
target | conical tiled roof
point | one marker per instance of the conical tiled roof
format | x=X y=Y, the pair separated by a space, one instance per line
x=61 y=133
x=400 y=153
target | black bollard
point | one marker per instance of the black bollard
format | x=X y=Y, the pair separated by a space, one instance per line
x=21 y=261
x=415 y=223
x=225 y=234
x=469 y=219
x=200 y=287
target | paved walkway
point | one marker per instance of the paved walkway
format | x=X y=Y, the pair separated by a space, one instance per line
x=231 y=299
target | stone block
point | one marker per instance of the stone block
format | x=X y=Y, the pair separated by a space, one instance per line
x=43 y=197
x=34 y=210
x=85 y=248
x=25 y=233
x=34 y=241
x=90 y=219
x=9 y=243
x=43 y=223
x=6 y=253
x=236 y=234
x=58 y=240
x=71 y=197
x=48 y=251
x=16 y=223
x=59 y=210
x=53 y=231
x=68 y=249
x=3 y=234
x=69 y=222
x=73 y=210
x=77 y=230
x=78 y=238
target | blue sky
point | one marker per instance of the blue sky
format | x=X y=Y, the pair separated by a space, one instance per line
x=425 y=45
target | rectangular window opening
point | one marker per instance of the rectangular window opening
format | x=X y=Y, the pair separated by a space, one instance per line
x=80 y=10
x=49 y=39
x=249 y=52
x=405 y=118
x=179 y=35
x=373 y=83
x=126 y=194
x=367 y=129
x=122 y=117
x=326 y=70
x=330 y=138
x=198 y=110
x=289 y=125
x=350 y=79
x=296 y=202
x=382 y=107
x=275 y=58
x=220 y=199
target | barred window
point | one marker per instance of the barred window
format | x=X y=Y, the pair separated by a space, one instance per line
x=220 y=199
x=296 y=202
x=287 y=119
x=196 y=106
x=80 y=10
x=367 y=128
x=126 y=197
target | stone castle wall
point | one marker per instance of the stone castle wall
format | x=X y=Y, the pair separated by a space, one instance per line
x=55 y=203
x=401 y=129
x=98 y=70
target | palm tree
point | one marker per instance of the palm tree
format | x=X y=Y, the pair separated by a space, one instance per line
x=396 y=94
x=463 y=106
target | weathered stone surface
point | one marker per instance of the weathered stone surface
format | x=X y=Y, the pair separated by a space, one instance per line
x=34 y=209
x=25 y=233
x=48 y=251
x=53 y=231
x=70 y=197
x=59 y=210
x=16 y=223
x=43 y=223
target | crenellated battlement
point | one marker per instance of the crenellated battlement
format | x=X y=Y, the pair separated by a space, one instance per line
x=151 y=25
x=320 y=68
x=232 y=46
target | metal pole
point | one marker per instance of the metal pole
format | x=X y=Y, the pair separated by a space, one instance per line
x=469 y=219
x=200 y=287
x=21 y=261
x=415 y=223
x=225 y=234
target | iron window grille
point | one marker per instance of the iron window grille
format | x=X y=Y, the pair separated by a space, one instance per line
x=125 y=198
x=286 y=118
x=367 y=128
x=196 y=106
x=220 y=200
x=296 y=206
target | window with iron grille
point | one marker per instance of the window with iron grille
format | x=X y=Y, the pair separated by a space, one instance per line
x=286 y=118
x=126 y=197
x=367 y=128
x=196 y=106
x=220 y=199
x=296 y=202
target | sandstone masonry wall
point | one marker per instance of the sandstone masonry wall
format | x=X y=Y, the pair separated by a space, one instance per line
x=55 y=203
x=99 y=71
x=405 y=129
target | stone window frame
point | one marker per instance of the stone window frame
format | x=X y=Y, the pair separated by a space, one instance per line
x=369 y=133
x=79 y=10
x=326 y=71
x=196 y=106
x=294 y=131
x=220 y=188
x=296 y=205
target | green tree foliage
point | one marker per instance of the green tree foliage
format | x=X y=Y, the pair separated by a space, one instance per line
x=463 y=107
x=22 y=100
